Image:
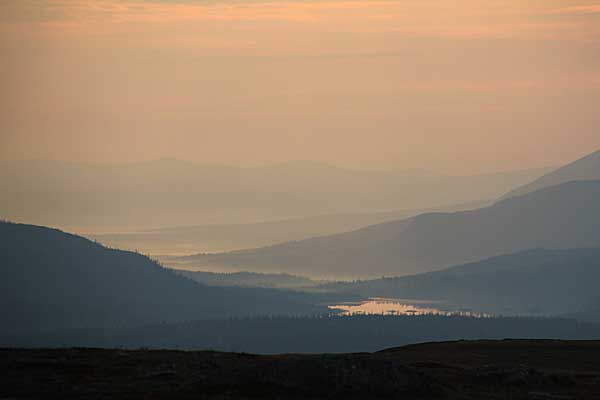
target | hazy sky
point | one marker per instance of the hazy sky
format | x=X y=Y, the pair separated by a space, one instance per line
x=457 y=86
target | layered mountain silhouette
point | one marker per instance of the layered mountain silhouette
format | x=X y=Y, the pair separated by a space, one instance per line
x=185 y=240
x=538 y=281
x=584 y=169
x=51 y=280
x=168 y=193
x=557 y=217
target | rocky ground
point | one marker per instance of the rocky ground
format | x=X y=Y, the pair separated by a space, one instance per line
x=509 y=369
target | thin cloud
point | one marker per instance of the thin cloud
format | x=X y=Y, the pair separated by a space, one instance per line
x=588 y=9
x=465 y=19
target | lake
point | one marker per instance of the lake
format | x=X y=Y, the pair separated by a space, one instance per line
x=387 y=306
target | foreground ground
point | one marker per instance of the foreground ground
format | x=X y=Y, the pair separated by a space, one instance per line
x=509 y=369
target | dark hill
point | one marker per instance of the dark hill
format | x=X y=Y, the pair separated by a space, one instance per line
x=530 y=282
x=53 y=280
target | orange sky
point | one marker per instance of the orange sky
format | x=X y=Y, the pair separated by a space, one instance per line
x=455 y=86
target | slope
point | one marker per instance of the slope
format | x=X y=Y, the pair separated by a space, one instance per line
x=562 y=216
x=50 y=280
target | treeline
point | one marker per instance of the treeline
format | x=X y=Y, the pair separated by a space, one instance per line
x=248 y=279
x=314 y=334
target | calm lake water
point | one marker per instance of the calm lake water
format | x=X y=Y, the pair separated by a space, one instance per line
x=385 y=306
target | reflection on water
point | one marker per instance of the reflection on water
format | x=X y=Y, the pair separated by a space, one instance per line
x=384 y=306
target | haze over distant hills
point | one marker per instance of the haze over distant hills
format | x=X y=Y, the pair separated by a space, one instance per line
x=562 y=216
x=186 y=240
x=584 y=169
x=52 y=281
x=168 y=193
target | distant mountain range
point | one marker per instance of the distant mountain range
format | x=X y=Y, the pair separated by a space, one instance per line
x=167 y=193
x=562 y=216
x=52 y=281
x=185 y=240
x=177 y=241
x=57 y=285
x=536 y=281
x=584 y=169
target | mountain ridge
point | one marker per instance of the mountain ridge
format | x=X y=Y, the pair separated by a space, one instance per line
x=584 y=168
x=561 y=216
x=534 y=281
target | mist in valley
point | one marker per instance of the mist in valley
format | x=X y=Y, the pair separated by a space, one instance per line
x=312 y=199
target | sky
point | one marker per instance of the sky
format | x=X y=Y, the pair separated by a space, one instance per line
x=455 y=86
